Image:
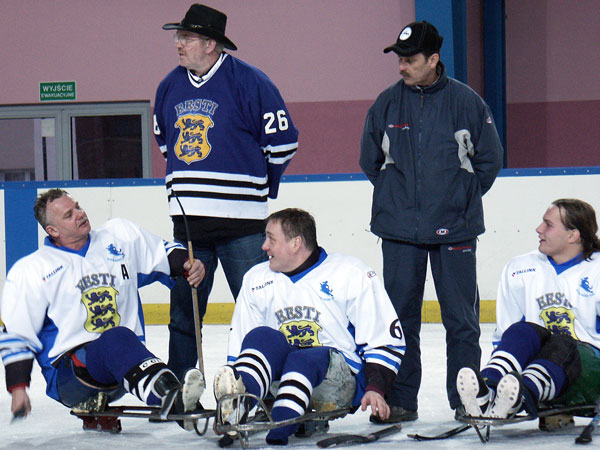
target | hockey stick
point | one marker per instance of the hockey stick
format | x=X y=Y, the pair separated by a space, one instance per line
x=197 y=329
x=586 y=435
x=444 y=435
x=347 y=439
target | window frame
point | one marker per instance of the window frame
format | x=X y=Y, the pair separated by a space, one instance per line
x=62 y=113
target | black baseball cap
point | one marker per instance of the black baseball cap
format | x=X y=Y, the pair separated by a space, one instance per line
x=415 y=38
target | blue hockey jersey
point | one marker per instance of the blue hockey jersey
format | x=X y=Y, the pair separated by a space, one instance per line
x=227 y=138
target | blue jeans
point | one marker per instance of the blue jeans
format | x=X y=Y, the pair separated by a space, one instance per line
x=237 y=256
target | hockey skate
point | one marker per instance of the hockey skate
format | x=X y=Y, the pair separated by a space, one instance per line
x=509 y=397
x=231 y=409
x=181 y=398
x=474 y=393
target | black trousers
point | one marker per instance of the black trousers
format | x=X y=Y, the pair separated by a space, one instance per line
x=454 y=274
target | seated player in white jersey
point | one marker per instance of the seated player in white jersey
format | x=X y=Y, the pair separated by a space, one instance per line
x=547 y=338
x=74 y=305
x=320 y=324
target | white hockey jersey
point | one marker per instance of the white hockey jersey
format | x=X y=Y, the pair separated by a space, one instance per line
x=339 y=302
x=56 y=299
x=567 y=302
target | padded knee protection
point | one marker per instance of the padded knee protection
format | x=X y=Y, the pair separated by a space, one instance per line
x=337 y=390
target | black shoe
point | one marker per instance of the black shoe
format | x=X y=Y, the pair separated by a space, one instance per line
x=397 y=414
x=459 y=412
x=311 y=427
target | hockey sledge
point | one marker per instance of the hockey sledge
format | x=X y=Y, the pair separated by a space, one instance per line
x=109 y=419
x=262 y=420
x=482 y=424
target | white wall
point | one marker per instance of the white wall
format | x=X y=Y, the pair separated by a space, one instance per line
x=513 y=209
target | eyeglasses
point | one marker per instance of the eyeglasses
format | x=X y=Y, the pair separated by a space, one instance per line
x=186 y=39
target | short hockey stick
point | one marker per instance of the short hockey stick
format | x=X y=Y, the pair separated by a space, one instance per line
x=586 y=435
x=444 y=435
x=347 y=439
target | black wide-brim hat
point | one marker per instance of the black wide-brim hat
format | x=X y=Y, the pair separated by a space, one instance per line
x=205 y=21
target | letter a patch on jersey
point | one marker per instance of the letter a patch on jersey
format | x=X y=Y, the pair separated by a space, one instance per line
x=192 y=144
x=101 y=306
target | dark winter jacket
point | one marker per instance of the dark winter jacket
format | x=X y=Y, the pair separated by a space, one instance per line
x=431 y=154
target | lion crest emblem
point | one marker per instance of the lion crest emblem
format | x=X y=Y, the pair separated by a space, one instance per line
x=101 y=307
x=192 y=144
x=559 y=320
x=302 y=333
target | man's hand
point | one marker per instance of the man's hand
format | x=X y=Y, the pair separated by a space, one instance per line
x=21 y=406
x=379 y=406
x=195 y=272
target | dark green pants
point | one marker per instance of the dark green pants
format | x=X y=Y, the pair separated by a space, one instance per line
x=586 y=390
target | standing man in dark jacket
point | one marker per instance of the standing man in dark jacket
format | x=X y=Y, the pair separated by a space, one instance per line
x=431 y=149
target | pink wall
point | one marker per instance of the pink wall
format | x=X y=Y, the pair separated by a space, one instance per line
x=325 y=56
x=553 y=94
x=552 y=50
x=314 y=50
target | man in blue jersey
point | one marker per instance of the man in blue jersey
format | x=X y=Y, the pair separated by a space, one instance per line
x=227 y=138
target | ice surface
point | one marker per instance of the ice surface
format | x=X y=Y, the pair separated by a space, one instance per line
x=50 y=426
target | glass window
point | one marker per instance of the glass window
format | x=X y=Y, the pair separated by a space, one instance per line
x=75 y=141
x=106 y=147
x=27 y=149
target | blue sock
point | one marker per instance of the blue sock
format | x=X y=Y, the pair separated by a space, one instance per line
x=279 y=436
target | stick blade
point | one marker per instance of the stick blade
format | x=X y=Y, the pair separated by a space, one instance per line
x=586 y=436
x=345 y=439
x=349 y=439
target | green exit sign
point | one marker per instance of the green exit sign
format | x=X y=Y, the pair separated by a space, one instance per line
x=57 y=90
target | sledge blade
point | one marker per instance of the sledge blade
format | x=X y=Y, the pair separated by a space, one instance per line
x=144 y=412
x=266 y=422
